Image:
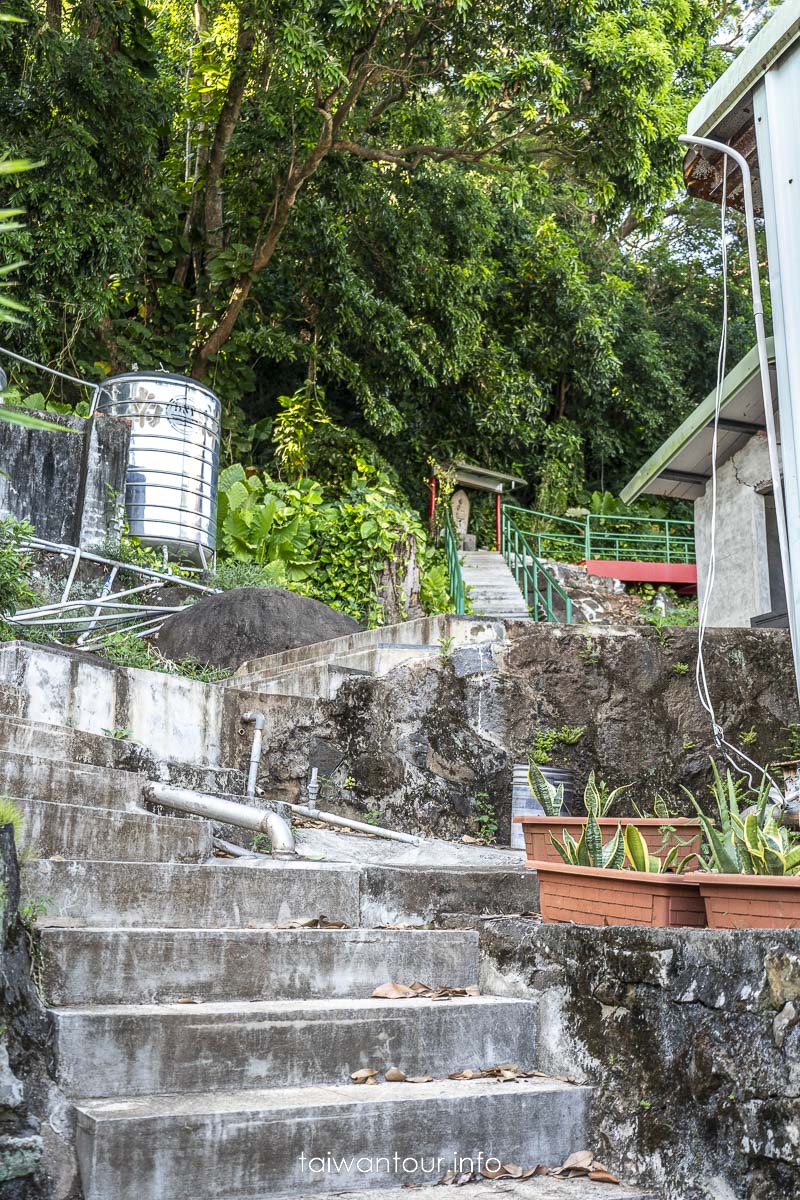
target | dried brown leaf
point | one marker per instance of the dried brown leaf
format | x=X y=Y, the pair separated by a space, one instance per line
x=392 y=991
x=419 y=1079
x=581 y=1161
x=394 y=1075
x=363 y=1074
x=601 y=1175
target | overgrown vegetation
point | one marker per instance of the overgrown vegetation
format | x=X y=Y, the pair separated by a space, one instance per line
x=464 y=229
x=546 y=740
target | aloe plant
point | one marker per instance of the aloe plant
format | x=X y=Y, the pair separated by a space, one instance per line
x=590 y=850
x=549 y=797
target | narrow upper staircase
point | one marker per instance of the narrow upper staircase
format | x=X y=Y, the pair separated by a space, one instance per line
x=209 y=1014
x=491 y=585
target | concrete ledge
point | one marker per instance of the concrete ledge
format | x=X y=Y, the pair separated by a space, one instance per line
x=76 y=831
x=206 y=896
x=248 y=1145
x=112 y=966
x=69 y=783
x=419 y=896
x=135 y=1050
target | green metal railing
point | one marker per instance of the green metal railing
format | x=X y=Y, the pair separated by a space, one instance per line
x=544 y=595
x=605 y=536
x=456 y=579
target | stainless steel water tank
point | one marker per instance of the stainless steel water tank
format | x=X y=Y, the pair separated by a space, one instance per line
x=173 y=461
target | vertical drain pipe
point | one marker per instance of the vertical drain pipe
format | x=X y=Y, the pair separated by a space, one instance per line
x=258 y=721
x=280 y=831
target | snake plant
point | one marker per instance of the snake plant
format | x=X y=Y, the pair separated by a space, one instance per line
x=638 y=855
x=597 y=799
x=590 y=851
x=549 y=797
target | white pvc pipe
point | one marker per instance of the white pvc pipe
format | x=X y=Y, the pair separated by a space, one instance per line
x=346 y=823
x=763 y=363
x=258 y=721
x=228 y=812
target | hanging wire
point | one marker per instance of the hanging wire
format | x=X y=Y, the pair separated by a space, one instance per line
x=733 y=755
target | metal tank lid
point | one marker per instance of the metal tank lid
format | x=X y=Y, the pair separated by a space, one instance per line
x=159 y=377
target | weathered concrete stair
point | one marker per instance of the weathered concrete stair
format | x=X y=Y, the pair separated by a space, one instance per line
x=491 y=586
x=229 y=896
x=134 y=1050
x=248 y=1145
x=89 y=832
x=319 y=670
x=205 y=1049
x=107 y=966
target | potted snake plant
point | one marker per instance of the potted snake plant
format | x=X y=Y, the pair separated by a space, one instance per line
x=618 y=882
x=751 y=873
x=662 y=830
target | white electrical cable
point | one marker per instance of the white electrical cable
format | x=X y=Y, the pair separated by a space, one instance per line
x=730 y=752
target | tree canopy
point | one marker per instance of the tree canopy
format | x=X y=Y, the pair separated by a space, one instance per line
x=457 y=219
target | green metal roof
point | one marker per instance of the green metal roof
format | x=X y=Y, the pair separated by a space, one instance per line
x=681 y=466
x=744 y=72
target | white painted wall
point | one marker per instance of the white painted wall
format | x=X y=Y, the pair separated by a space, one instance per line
x=741 y=589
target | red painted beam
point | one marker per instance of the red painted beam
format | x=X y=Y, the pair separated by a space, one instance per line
x=675 y=575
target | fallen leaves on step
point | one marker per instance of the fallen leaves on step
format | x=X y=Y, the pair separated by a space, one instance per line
x=395 y=1075
x=187 y=1000
x=365 y=1075
x=320 y=922
x=418 y=990
x=507 y=1073
x=584 y=1164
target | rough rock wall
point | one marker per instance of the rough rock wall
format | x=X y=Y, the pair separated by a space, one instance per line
x=69 y=485
x=34 y=1127
x=422 y=741
x=692 y=1038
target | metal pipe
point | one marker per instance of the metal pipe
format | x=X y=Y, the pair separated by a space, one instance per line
x=331 y=819
x=258 y=719
x=312 y=788
x=228 y=812
x=763 y=362
x=36 y=543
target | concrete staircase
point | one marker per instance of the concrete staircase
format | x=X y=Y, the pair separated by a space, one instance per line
x=491 y=586
x=205 y=1037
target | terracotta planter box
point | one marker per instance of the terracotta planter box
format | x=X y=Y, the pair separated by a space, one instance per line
x=594 y=896
x=749 y=901
x=660 y=835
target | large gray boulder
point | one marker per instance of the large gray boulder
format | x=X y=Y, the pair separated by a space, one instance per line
x=232 y=627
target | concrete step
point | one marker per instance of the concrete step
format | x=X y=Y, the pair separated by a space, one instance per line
x=219 y=894
x=418 y=637
x=493 y=590
x=78 y=831
x=63 y=744
x=135 y=1050
x=542 y=1187
x=222 y=894
x=11 y=699
x=249 y=1145
x=134 y=966
x=60 y=782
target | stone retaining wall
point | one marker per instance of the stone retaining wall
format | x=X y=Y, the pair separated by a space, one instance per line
x=692 y=1038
